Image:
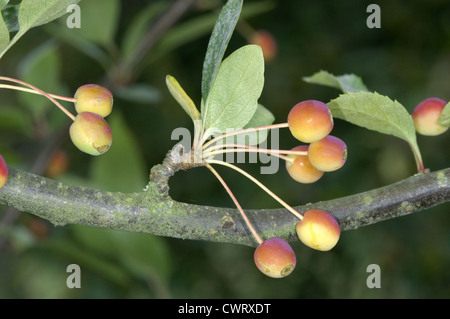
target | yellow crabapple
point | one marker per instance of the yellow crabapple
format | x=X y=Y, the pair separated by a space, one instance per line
x=301 y=169
x=93 y=98
x=91 y=133
x=328 y=154
x=318 y=230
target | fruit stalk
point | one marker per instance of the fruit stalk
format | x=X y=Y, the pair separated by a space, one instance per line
x=248 y=130
x=230 y=193
x=48 y=96
x=257 y=182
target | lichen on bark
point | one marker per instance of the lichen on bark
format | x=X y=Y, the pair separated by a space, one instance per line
x=154 y=211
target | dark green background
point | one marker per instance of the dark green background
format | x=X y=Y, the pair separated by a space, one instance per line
x=407 y=59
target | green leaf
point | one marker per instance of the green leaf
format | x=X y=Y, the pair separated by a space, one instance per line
x=182 y=98
x=9 y=14
x=233 y=98
x=99 y=21
x=346 y=83
x=444 y=120
x=378 y=113
x=37 y=12
x=4 y=32
x=218 y=42
x=3 y=3
x=52 y=12
x=262 y=117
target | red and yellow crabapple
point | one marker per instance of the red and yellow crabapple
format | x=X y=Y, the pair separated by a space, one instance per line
x=310 y=121
x=328 y=154
x=91 y=133
x=275 y=258
x=426 y=116
x=93 y=98
x=58 y=164
x=318 y=230
x=267 y=42
x=3 y=171
x=301 y=169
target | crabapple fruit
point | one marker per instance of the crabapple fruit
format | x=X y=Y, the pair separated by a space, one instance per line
x=426 y=116
x=275 y=258
x=328 y=154
x=267 y=43
x=93 y=98
x=91 y=133
x=301 y=169
x=58 y=164
x=3 y=172
x=318 y=230
x=310 y=121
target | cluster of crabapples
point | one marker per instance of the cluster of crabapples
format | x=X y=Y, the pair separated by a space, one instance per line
x=89 y=131
x=309 y=122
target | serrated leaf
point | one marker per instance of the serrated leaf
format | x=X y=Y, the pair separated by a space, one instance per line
x=378 y=113
x=182 y=98
x=375 y=112
x=262 y=117
x=218 y=42
x=233 y=98
x=346 y=83
x=444 y=119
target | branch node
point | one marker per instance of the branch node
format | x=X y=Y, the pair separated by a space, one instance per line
x=176 y=159
x=227 y=221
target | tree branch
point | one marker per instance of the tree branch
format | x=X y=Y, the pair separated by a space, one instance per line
x=153 y=211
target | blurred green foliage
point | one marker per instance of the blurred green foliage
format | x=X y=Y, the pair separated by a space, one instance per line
x=407 y=59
